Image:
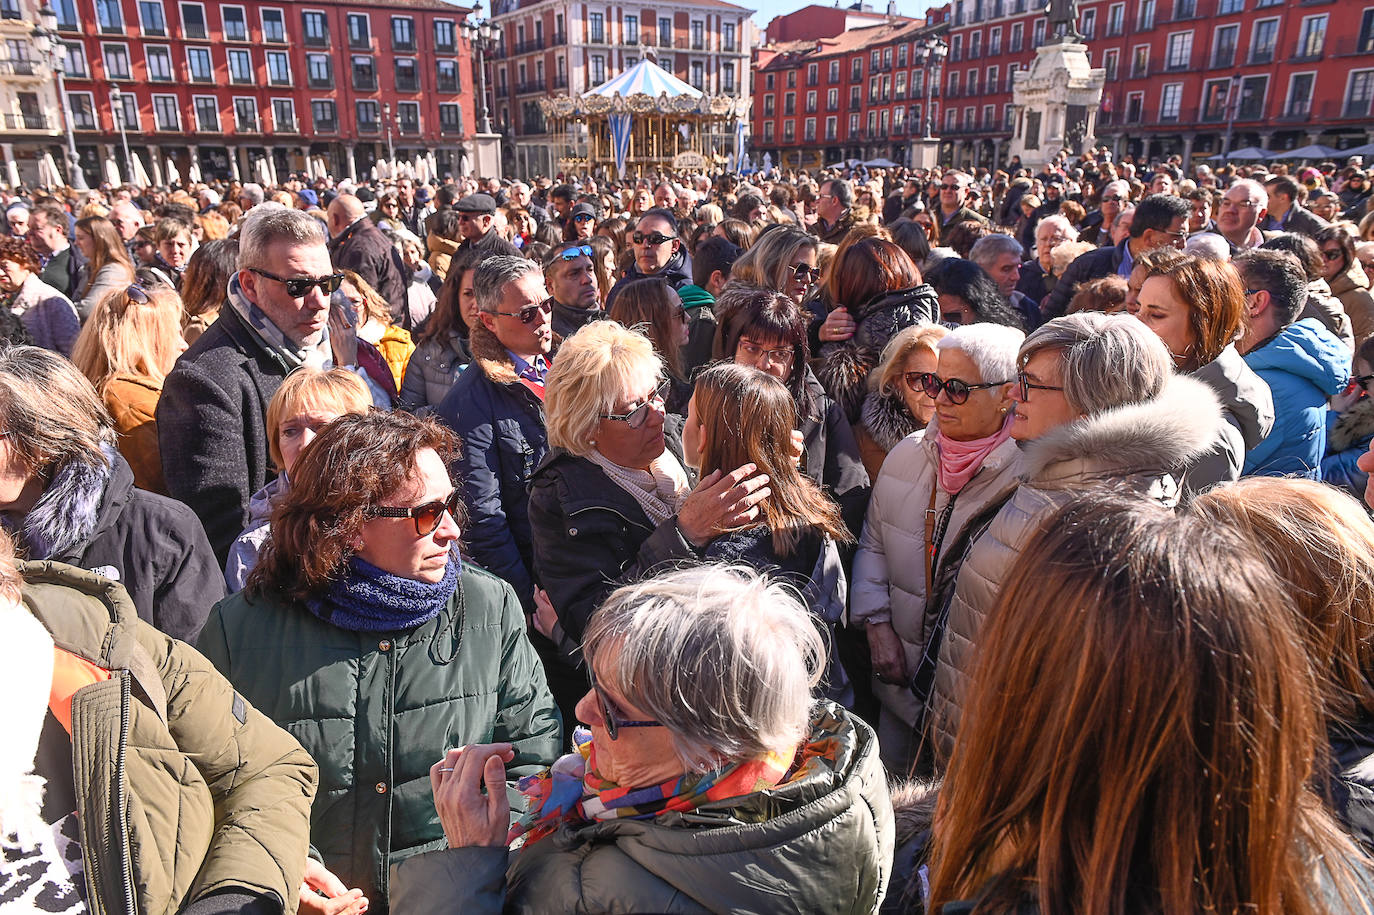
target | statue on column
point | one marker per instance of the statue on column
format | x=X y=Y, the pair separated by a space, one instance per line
x=1063 y=19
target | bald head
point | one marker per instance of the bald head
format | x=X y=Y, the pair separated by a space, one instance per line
x=344 y=210
x=126 y=218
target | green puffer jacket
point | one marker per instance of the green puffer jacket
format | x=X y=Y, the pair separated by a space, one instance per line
x=821 y=843
x=183 y=789
x=377 y=710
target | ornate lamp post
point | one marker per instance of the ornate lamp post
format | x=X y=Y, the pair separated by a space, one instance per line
x=1232 y=103
x=934 y=51
x=390 y=150
x=45 y=40
x=117 y=106
x=481 y=36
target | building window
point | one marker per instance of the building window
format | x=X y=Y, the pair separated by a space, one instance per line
x=1224 y=46
x=369 y=115
x=727 y=77
x=324 y=115
x=697 y=74
x=364 y=73
x=1110 y=59
x=1116 y=18
x=408 y=116
x=1018 y=37
x=278 y=68
x=856 y=69
x=1089 y=24
x=193 y=21
x=446 y=75
x=665 y=33
x=727 y=32
x=832 y=127
x=1253 y=90
x=789 y=131
x=631 y=30
x=83 y=110
x=598 y=69
x=207 y=113
x=769 y=81
x=809 y=130
x=994 y=42
x=1140 y=62
x=319 y=71
x=273 y=26
x=853 y=125
x=1263 y=40
x=975 y=45
x=450 y=118
x=116 y=57
x=159 y=60
x=1146 y=20
x=235 y=23
x=596 y=28
x=407 y=76
x=901 y=55
x=66 y=15
x=1359 y=94
x=166 y=115
x=854 y=97
x=150 y=17
x=284 y=115
x=1365 y=43
x=1214 y=100
x=1299 y=102
x=972 y=81
x=109 y=16
x=813 y=74
x=1012 y=70
x=832 y=99
x=402 y=33
x=994 y=77
x=444 y=35
x=789 y=103
x=74 y=62
x=359 y=31
x=316 y=29
x=698 y=39
x=1038 y=33
x=953 y=85
x=1169 y=98
x=768 y=131
x=240 y=66
x=769 y=106
x=1227 y=7
x=1313 y=37
x=246 y=115
x=1179 y=51
x=128 y=109
x=834 y=75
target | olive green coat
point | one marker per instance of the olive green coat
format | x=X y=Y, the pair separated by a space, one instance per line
x=183 y=789
x=377 y=710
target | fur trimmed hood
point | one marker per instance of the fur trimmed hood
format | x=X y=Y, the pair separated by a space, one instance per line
x=1160 y=436
x=492 y=358
x=887 y=419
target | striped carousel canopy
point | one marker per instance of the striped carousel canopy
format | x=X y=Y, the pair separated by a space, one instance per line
x=648 y=78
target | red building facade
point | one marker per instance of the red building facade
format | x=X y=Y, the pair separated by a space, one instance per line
x=230 y=85
x=1181 y=74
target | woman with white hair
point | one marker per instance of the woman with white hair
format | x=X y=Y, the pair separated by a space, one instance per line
x=706 y=781
x=1096 y=403
x=930 y=487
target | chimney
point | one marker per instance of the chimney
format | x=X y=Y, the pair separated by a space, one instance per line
x=892 y=9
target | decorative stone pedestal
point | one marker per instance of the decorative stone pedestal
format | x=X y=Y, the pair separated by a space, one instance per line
x=1056 y=103
x=486 y=155
x=924 y=153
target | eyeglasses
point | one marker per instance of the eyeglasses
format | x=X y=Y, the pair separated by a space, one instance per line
x=1113 y=198
x=931 y=385
x=807 y=273
x=653 y=238
x=427 y=517
x=530 y=313
x=948 y=187
x=1333 y=254
x=298 y=287
x=781 y=356
x=572 y=254
x=1363 y=380
x=610 y=715
x=637 y=417
x=1027 y=386
x=1226 y=204
x=1181 y=234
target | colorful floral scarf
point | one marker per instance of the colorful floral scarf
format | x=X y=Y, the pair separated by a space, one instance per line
x=571 y=791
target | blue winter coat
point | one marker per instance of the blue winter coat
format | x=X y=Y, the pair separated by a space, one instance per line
x=1303 y=366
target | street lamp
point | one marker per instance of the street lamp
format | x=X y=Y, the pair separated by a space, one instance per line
x=481 y=36
x=390 y=150
x=1232 y=103
x=45 y=40
x=933 y=50
x=117 y=103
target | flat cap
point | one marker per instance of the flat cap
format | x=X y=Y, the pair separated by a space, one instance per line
x=476 y=203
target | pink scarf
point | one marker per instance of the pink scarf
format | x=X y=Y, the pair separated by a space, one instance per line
x=959 y=461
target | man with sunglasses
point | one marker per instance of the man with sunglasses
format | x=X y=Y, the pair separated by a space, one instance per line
x=1160 y=220
x=358 y=245
x=658 y=252
x=476 y=213
x=1097 y=225
x=572 y=287
x=953 y=209
x=497 y=408
x=833 y=216
x=211 y=417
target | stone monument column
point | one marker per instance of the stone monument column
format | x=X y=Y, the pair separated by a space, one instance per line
x=1056 y=101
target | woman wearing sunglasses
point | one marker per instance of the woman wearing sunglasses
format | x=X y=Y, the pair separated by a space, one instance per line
x=931 y=486
x=783 y=259
x=709 y=778
x=892 y=408
x=1096 y=403
x=1345 y=274
x=364 y=634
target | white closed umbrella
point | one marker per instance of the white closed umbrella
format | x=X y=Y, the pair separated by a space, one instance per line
x=139 y=177
x=194 y=171
x=112 y=172
x=173 y=173
x=48 y=175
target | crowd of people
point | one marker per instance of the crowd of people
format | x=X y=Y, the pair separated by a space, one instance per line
x=867 y=541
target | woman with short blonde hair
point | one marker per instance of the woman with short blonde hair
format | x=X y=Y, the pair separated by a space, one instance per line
x=893 y=409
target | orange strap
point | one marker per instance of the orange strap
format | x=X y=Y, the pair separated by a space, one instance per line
x=69 y=674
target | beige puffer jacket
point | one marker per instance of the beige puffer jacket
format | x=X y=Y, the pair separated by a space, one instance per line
x=1351 y=286
x=889 y=572
x=1138 y=447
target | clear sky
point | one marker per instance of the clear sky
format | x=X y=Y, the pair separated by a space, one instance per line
x=767 y=9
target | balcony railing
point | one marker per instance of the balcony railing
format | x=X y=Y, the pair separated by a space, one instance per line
x=366 y=82
x=314 y=82
x=526 y=47
x=369 y=126
x=407 y=83
x=558 y=82
x=243 y=125
x=449 y=128
x=409 y=127
x=28 y=122
x=326 y=125
x=1261 y=55
x=286 y=126
x=18 y=68
x=559 y=38
x=313 y=41
x=446 y=84
x=530 y=86
x=1348 y=45
x=1296 y=111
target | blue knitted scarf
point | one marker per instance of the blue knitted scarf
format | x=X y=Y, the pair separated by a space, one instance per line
x=366 y=599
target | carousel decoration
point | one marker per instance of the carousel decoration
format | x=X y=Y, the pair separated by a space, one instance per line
x=644 y=120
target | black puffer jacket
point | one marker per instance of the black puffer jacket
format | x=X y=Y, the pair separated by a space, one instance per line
x=843 y=366
x=678 y=273
x=363 y=249
x=831 y=457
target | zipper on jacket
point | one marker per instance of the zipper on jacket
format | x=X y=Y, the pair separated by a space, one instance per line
x=120 y=790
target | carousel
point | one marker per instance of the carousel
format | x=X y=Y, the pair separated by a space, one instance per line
x=646 y=120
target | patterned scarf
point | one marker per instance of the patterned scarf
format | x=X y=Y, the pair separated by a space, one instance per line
x=572 y=792
x=366 y=599
x=659 y=490
x=312 y=353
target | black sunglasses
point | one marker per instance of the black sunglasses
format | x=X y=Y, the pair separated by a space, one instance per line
x=427 y=517
x=583 y=217
x=572 y=254
x=931 y=385
x=1333 y=254
x=137 y=294
x=653 y=238
x=610 y=715
x=298 y=287
x=640 y=414
x=529 y=313
x=1027 y=386
x=1363 y=380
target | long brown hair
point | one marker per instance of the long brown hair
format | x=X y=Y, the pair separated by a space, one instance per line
x=747 y=416
x=447 y=316
x=1320 y=541
x=651 y=304
x=866 y=269
x=355 y=464
x=1215 y=297
x=108 y=248
x=1141 y=731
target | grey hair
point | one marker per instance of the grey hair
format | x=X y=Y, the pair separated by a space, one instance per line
x=1208 y=245
x=1062 y=222
x=990 y=247
x=842 y=190
x=253 y=191
x=492 y=275
x=992 y=347
x=270 y=225
x=725 y=658
x=1108 y=360
x=1123 y=186
x=49 y=411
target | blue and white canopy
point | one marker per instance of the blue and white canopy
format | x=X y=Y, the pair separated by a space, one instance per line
x=647 y=78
